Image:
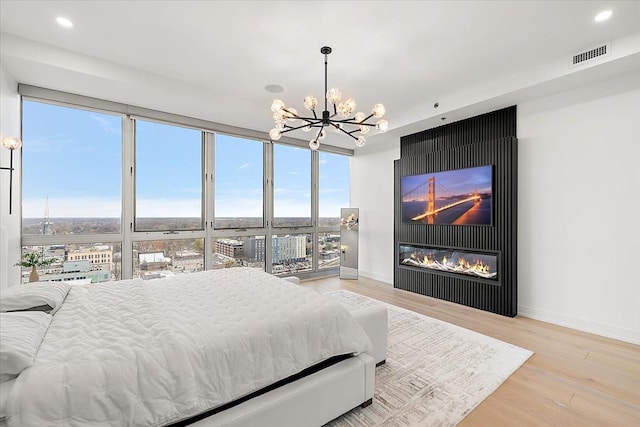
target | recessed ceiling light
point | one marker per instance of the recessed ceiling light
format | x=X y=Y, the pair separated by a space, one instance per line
x=603 y=16
x=64 y=22
x=273 y=88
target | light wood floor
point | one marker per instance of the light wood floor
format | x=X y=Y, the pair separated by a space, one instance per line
x=573 y=379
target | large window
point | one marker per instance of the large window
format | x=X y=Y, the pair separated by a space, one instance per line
x=107 y=196
x=291 y=186
x=333 y=185
x=239 y=189
x=168 y=177
x=72 y=163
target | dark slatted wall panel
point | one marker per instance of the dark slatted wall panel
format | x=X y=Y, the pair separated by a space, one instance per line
x=489 y=139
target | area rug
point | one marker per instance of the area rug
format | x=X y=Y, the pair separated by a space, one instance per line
x=436 y=372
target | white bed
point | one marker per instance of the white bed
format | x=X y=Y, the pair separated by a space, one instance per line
x=179 y=349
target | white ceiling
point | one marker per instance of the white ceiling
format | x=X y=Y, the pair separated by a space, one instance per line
x=213 y=59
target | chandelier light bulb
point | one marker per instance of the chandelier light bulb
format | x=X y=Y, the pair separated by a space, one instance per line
x=310 y=102
x=351 y=105
x=274 y=134
x=382 y=126
x=277 y=105
x=359 y=117
x=334 y=95
x=11 y=142
x=364 y=129
x=361 y=141
x=378 y=110
x=314 y=145
x=278 y=115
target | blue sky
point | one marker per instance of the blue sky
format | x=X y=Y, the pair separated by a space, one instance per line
x=73 y=157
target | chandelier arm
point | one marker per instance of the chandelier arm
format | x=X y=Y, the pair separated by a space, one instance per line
x=345 y=132
x=318 y=134
x=311 y=120
x=352 y=121
x=290 y=128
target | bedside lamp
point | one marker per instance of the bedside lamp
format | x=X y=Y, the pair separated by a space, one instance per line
x=11 y=143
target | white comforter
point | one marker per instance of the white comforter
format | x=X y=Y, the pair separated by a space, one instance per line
x=151 y=352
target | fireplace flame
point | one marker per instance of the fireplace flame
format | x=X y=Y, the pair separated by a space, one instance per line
x=462 y=265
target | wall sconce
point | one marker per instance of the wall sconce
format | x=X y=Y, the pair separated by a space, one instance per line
x=11 y=143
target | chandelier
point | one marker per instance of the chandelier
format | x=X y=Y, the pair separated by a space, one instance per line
x=287 y=119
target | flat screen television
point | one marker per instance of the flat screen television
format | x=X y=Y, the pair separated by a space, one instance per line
x=454 y=197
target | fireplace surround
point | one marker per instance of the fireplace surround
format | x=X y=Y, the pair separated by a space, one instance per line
x=488 y=139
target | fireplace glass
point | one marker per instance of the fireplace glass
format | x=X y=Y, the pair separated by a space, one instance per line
x=463 y=262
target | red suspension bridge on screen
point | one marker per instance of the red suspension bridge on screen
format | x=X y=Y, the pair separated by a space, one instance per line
x=429 y=186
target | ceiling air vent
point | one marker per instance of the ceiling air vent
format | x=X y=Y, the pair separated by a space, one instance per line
x=591 y=54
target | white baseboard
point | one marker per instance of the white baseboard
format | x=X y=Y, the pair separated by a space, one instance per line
x=379 y=278
x=584 y=325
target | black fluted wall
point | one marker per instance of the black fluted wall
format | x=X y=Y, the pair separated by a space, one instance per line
x=488 y=139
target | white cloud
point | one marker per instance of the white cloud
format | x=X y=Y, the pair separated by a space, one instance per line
x=106 y=126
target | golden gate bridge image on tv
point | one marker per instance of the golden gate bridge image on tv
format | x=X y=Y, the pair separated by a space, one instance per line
x=427 y=200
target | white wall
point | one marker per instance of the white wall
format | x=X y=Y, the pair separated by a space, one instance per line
x=9 y=224
x=372 y=192
x=578 y=209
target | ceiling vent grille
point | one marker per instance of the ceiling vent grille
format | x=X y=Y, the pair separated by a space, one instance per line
x=590 y=55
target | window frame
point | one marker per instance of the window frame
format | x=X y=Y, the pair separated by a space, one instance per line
x=128 y=235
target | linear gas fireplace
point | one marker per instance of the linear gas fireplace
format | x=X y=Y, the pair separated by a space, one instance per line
x=477 y=265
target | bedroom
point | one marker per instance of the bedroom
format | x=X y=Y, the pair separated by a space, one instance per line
x=579 y=120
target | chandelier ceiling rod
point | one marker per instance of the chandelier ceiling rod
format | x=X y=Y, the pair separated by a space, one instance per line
x=285 y=116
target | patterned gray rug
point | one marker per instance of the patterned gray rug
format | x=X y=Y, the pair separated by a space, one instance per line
x=436 y=372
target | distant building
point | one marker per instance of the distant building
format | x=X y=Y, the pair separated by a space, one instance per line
x=230 y=247
x=284 y=249
x=78 y=271
x=289 y=249
x=153 y=261
x=254 y=248
x=99 y=256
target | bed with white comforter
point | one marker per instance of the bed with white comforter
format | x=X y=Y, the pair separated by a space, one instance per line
x=154 y=352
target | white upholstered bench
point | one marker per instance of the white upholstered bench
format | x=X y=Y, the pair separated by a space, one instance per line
x=373 y=319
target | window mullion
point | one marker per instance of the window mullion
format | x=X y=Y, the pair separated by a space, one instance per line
x=315 y=176
x=209 y=154
x=268 y=206
x=128 y=198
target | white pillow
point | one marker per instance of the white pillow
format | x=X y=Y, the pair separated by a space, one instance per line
x=20 y=336
x=34 y=296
